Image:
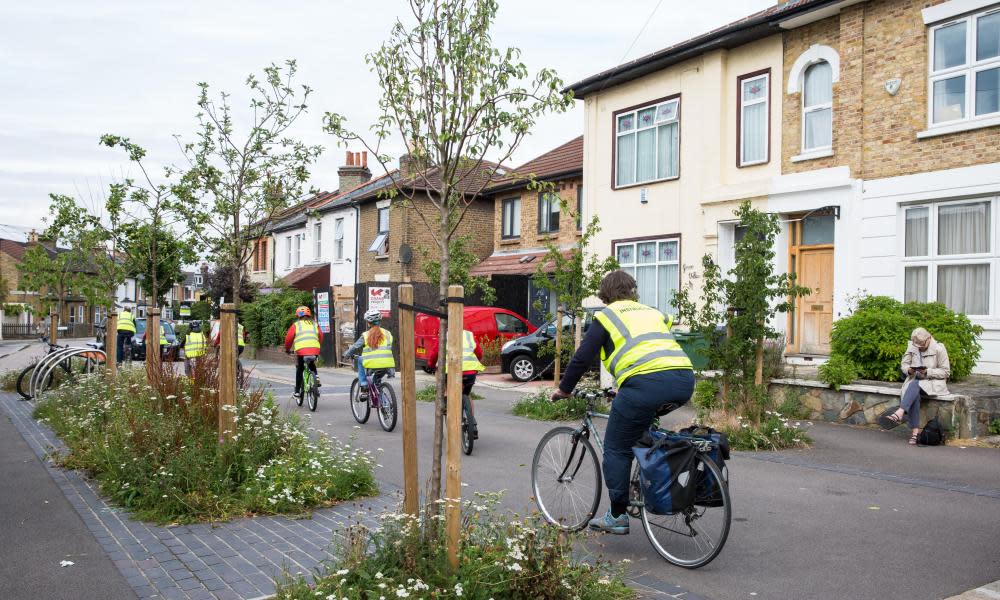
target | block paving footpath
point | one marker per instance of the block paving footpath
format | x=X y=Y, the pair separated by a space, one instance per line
x=235 y=560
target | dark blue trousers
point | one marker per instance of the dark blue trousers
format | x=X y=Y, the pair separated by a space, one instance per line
x=640 y=399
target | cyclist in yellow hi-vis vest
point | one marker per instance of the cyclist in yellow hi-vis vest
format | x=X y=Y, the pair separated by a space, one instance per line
x=126 y=329
x=652 y=373
x=304 y=338
x=195 y=346
x=472 y=355
x=375 y=346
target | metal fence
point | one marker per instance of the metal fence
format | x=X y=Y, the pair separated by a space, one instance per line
x=18 y=330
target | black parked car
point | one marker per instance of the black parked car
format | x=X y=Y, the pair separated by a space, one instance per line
x=519 y=357
x=169 y=352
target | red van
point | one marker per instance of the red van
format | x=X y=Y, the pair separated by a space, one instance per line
x=485 y=322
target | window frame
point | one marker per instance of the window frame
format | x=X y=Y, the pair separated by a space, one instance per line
x=579 y=207
x=504 y=203
x=970 y=68
x=933 y=260
x=338 y=238
x=766 y=100
x=671 y=237
x=547 y=198
x=288 y=252
x=318 y=241
x=298 y=249
x=803 y=109
x=378 y=223
x=615 y=135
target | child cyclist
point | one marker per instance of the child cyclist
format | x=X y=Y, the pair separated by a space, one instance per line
x=304 y=338
x=375 y=347
x=472 y=356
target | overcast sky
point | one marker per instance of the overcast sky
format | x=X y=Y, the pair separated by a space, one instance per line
x=71 y=71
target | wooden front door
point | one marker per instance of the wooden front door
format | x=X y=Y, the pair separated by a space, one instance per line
x=815 y=311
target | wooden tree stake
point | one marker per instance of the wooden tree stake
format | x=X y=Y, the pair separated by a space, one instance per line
x=227 y=372
x=559 y=327
x=152 y=342
x=111 y=344
x=408 y=367
x=453 y=477
x=53 y=325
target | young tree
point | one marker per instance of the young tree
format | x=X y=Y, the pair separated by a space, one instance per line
x=219 y=284
x=160 y=271
x=457 y=101
x=462 y=261
x=238 y=178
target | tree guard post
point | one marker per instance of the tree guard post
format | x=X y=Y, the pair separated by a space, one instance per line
x=559 y=327
x=227 y=372
x=453 y=480
x=408 y=367
x=153 y=343
x=53 y=325
x=111 y=344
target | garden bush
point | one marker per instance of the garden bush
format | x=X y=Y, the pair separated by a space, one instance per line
x=500 y=556
x=706 y=397
x=268 y=317
x=838 y=371
x=8 y=380
x=875 y=336
x=540 y=407
x=155 y=451
x=774 y=432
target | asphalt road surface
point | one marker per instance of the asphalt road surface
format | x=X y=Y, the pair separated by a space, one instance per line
x=860 y=516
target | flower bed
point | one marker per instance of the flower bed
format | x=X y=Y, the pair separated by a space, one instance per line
x=500 y=556
x=155 y=450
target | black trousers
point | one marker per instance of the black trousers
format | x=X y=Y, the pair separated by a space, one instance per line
x=123 y=336
x=299 y=366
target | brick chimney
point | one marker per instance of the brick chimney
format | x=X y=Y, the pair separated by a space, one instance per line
x=354 y=172
x=32 y=237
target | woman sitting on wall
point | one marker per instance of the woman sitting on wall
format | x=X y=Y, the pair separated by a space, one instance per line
x=926 y=367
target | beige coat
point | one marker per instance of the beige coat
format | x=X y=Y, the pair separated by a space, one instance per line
x=935 y=358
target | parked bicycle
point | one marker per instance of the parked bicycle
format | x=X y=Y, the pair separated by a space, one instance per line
x=566 y=481
x=86 y=362
x=310 y=391
x=381 y=397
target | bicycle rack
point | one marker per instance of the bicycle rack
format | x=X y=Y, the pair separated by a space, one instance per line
x=48 y=364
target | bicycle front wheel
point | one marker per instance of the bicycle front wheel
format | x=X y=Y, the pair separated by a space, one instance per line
x=312 y=398
x=24 y=381
x=387 y=407
x=694 y=537
x=359 y=407
x=566 y=479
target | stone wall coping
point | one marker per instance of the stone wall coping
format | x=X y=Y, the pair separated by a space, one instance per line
x=868 y=389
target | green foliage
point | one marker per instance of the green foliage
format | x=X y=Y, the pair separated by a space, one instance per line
x=267 y=318
x=491 y=351
x=172 y=253
x=994 y=428
x=201 y=311
x=540 y=407
x=773 y=432
x=500 y=556
x=875 y=336
x=547 y=349
x=573 y=275
x=838 y=371
x=428 y=393
x=8 y=380
x=158 y=455
x=244 y=167
x=706 y=397
x=14 y=310
x=792 y=405
x=462 y=261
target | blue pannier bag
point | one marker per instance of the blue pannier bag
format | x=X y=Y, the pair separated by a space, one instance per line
x=666 y=472
x=708 y=491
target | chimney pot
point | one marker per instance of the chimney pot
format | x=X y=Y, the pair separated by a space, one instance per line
x=364 y=159
x=350 y=158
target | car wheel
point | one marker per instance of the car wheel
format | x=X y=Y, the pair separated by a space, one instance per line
x=522 y=368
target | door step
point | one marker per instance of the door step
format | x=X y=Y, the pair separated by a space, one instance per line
x=806 y=360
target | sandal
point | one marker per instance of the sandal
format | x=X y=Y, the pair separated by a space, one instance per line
x=913 y=439
x=888 y=419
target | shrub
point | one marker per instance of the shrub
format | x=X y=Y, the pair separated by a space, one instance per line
x=491 y=350
x=994 y=427
x=772 y=433
x=155 y=449
x=429 y=392
x=500 y=556
x=8 y=380
x=838 y=371
x=875 y=336
x=269 y=316
x=706 y=397
x=792 y=404
x=540 y=407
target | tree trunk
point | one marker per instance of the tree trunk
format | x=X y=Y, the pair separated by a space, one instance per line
x=439 y=375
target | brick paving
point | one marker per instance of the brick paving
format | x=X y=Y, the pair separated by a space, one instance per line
x=235 y=560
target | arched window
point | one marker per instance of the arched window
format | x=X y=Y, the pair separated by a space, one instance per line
x=817 y=107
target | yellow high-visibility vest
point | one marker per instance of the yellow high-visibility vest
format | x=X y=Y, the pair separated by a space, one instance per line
x=469 y=360
x=642 y=341
x=380 y=357
x=126 y=322
x=306 y=335
x=239 y=335
x=194 y=345
x=163 y=336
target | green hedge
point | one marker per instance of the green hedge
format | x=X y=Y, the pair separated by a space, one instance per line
x=268 y=317
x=874 y=337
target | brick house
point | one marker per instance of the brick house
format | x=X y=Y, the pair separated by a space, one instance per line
x=526 y=220
x=881 y=152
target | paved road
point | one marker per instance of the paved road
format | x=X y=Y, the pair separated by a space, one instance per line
x=860 y=516
x=39 y=529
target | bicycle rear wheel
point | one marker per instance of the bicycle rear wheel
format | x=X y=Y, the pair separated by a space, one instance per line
x=312 y=397
x=359 y=408
x=386 y=407
x=566 y=479
x=467 y=440
x=24 y=380
x=694 y=537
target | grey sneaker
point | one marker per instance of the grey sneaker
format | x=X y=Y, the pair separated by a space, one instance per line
x=609 y=524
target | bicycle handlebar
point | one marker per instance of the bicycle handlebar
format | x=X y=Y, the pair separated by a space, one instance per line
x=593 y=394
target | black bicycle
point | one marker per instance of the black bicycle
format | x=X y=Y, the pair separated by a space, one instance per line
x=24 y=379
x=566 y=482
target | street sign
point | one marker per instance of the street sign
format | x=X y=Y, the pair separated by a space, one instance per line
x=185 y=311
x=323 y=311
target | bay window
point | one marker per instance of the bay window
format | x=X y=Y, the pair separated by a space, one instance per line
x=655 y=264
x=647 y=143
x=753 y=131
x=817 y=107
x=950 y=255
x=965 y=69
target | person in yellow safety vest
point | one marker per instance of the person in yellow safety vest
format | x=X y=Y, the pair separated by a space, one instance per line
x=241 y=337
x=195 y=346
x=126 y=329
x=472 y=355
x=652 y=373
x=304 y=337
x=375 y=346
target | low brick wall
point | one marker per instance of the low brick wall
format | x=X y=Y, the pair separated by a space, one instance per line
x=270 y=353
x=861 y=404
